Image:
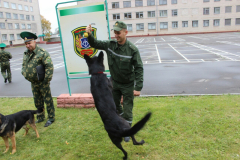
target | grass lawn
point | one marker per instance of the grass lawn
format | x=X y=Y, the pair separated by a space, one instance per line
x=194 y=127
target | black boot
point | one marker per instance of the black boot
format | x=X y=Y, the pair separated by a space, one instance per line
x=127 y=139
x=5 y=80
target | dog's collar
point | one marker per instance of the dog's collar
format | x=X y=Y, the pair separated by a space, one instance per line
x=96 y=73
x=2 y=128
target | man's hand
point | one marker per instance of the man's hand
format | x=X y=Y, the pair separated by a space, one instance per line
x=136 y=93
x=89 y=29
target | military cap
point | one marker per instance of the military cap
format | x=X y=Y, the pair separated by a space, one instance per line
x=2 y=45
x=28 y=36
x=119 y=25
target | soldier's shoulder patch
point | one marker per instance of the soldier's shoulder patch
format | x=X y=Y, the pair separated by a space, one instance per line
x=41 y=49
x=48 y=59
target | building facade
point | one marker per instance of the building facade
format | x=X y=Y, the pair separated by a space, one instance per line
x=17 y=16
x=158 y=17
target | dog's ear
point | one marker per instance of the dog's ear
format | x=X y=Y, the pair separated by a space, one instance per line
x=100 y=57
x=86 y=57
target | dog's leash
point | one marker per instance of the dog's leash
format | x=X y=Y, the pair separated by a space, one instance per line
x=2 y=128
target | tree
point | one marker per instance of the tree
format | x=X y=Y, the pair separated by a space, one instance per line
x=46 y=28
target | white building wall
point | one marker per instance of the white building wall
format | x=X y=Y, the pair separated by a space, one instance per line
x=35 y=24
x=187 y=10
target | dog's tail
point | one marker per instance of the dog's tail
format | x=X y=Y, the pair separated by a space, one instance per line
x=138 y=126
x=39 y=110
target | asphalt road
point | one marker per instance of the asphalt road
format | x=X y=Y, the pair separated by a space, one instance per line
x=173 y=65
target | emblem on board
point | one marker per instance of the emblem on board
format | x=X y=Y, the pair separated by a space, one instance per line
x=81 y=45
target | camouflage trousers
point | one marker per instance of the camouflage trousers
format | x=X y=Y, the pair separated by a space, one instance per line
x=125 y=90
x=42 y=93
x=6 y=71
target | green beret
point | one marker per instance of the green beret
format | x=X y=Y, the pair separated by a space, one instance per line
x=28 y=36
x=119 y=25
x=2 y=45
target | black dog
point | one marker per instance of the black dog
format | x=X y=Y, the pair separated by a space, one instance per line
x=114 y=124
x=10 y=124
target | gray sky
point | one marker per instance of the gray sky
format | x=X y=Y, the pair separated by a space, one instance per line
x=47 y=10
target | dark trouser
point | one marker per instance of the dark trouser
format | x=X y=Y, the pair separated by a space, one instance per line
x=5 y=67
x=125 y=90
x=42 y=93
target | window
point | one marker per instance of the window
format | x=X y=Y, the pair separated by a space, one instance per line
x=26 y=8
x=20 y=7
x=116 y=16
x=25 y=0
x=30 y=1
x=126 y=4
x=174 y=1
x=127 y=15
x=163 y=25
x=28 y=17
x=140 y=26
x=216 y=0
x=23 y=26
x=227 y=22
x=33 y=18
x=162 y=2
x=184 y=23
x=8 y=16
x=194 y=23
x=17 y=26
x=0 y=4
x=31 y=9
x=205 y=23
x=2 y=25
x=115 y=4
x=205 y=11
x=163 y=13
x=1 y=14
x=29 y=26
x=4 y=37
x=14 y=6
x=151 y=25
x=139 y=14
x=174 y=24
x=138 y=3
x=174 y=12
x=10 y=26
x=238 y=8
x=129 y=27
x=12 y=37
x=18 y=36
x=237 y=21
x=150 y=2
x=216 y=22
x=228 y=9
x=206 y=0
x=216 y=10
x=15 y=16
x=6 y=4
x=22 y=16
x=151 y=13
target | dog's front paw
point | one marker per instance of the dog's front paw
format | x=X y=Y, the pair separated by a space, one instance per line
x=13 y=151
x=6 y=150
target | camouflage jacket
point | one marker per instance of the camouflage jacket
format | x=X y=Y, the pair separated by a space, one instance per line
x=5 y=56
x=39 y=56
x=125 y=63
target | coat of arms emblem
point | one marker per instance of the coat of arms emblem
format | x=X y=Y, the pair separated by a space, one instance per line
x=81 y=45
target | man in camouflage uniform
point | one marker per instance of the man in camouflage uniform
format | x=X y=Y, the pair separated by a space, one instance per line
x=35 y=56
x=126 y=68
x=5 y=64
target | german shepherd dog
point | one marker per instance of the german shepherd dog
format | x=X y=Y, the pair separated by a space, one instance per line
x=114 y=124
x=11 y=124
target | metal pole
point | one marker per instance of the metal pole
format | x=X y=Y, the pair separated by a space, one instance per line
x=107 y=20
